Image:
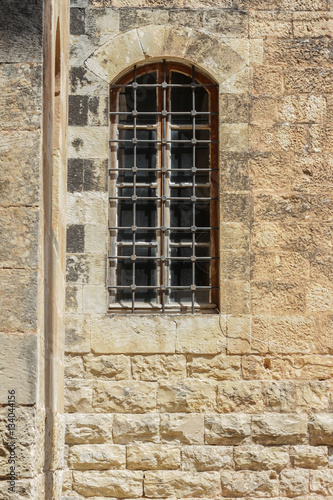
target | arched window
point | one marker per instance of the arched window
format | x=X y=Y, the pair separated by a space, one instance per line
x=163 y=192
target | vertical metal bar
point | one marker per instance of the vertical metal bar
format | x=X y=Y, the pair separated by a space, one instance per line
x=193 y=189
x=134 y=195
x=164 y=117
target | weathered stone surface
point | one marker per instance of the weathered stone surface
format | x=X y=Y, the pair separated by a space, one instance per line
x=21 y=96
x=115 y=367
x=88 y=428
x=240 y=396
x=182 y=428
x=321 y=482
x=309 y=457
x=120 y=484
x=77 y=330
x=207 y=458
x=227 y=429
x=124 y=397
x=78 y=396
x=157 y=367
x=321 y=429
x=254 y=457
x=97 y=457
x=136 y=428
x=143 y=335
x=279 y=429
x=18 y=361
x=179 y=483
x=21 y=31
x=219 y=367
x=73 y=367
x=245 y=483
x=88 y=142
x=200 y=334
x=153 y=457
x=186 y=396
x=294 y=483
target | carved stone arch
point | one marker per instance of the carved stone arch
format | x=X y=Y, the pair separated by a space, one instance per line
x=212 y=55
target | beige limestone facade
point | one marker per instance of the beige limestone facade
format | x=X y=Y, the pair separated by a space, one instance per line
x=236 y=404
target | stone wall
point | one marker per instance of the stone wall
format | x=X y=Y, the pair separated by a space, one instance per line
x=237 y=404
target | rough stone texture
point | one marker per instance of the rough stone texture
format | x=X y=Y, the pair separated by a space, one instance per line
x=182 y=428
x=97 y=457
x=320 y=429
x=246 y=483
x=227 y=429
x=252 y=457
x=178 y=483
x=207 y=458
x=279 y=429
x=121 y=484
x=153 y=457
x=133 y=428
x=88 y=428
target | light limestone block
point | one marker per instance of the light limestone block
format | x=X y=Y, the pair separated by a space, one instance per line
x=321 y=482
x=248 y=483
x=279 y=429
x=88 y=428
x=182 y=428
x=186 y=396
x=227 y=429
x=120 y=484
x=117 y=367
x=97 y=457
x=159 y=367
x=200 y=334
x=94 y=299
x=234 y=137
x=96 y=237
x=207 y=458
x=220 y=367
x=240 y=396
x=136 y=428
x=77 y=329
x=88 y=142
x=87 y=207
x=254 y=457
x=144 y=334
x=152 y=457
x=124 y=396
x=309 y=457
x=182 y=484
x=73 y=366
x=321 y=429
x=78 y=396
x=294 y=483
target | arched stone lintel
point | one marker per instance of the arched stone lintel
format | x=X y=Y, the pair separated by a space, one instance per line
x=153 y=42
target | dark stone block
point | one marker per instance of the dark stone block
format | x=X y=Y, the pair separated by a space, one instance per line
x=78 y=110
x=77 y=269
x=75 y=175
x=77 y=21
x=75 y=239
x=95 y=175
x=235 y=172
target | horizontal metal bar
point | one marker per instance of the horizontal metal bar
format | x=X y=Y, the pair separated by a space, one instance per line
x=161 y=287
x=164 y=141
x=164 y=85
x=159 y=228
x=164 y=170
x=163 y=113
x=166 y=198
x=192 y=258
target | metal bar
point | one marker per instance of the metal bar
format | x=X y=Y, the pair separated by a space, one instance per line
x=158 y=287
x=149 y=141
x=183 y=85
x=197 y=169
x=164 y=112
x=162 y=257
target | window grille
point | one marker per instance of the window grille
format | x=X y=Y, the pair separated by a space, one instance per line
x=163 y=190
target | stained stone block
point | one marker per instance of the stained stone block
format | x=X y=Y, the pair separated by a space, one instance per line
x=75 y=238
x=77 y=332
x=84 y=82
x=78 y=110
x=77 y=21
